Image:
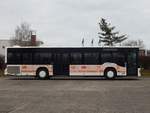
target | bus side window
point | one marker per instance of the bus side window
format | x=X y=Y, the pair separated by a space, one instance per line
x=27 y=58
x=10 y=57
x=45 y=58
x=42 y=58
x=18 y=57
x=91 y=58
x=106 y=57
x=76 y=58
x=14 y=58
x=119 y=58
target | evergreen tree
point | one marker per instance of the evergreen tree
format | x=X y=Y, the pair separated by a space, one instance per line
x=107 y=36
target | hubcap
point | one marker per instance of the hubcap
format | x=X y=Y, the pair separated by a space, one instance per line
x=110 y=74
x=42 y=74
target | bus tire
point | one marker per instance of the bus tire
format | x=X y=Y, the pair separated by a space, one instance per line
x=42 y=73
x=110 y=73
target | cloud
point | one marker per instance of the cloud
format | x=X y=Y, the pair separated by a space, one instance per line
x=66 y=22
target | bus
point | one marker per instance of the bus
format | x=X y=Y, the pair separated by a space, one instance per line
x=46 y=62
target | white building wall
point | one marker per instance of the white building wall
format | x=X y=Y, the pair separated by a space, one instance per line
x=3 y=45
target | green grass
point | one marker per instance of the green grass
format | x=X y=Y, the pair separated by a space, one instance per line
x=145 y=72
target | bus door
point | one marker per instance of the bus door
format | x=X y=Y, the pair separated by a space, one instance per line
x=61 y=64
x=132 y=64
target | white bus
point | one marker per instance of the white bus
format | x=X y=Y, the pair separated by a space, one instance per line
x=45 y=62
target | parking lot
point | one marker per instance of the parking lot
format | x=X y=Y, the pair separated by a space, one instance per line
x=74 y=96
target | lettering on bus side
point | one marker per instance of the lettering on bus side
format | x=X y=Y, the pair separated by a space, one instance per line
x=85 y=70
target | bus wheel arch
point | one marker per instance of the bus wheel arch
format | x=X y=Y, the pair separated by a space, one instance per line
x=110 y=73
x=42 y=73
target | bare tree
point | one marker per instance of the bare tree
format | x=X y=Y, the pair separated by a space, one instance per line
x=138 y=42
x=23 y=36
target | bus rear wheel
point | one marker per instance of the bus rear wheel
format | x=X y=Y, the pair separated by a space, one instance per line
x=42 y=73
x=110 y=73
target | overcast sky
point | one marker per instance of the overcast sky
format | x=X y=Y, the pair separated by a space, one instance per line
x=66 y=22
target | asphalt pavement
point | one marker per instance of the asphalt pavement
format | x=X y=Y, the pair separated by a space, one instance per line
x=27 y=95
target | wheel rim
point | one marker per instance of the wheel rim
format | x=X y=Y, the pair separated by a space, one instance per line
x=110 y=74
x=42 y=74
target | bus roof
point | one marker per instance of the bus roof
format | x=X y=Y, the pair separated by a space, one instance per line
x=74 y=47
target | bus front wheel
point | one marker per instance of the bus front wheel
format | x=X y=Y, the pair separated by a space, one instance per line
x=42 y=73
x=110 y=73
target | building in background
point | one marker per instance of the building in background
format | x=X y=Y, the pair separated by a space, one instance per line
x=3 y=45
x=8 y=43
x=144 y=52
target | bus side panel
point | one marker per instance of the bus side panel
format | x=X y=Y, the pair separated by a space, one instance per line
x=27 y=69
x=85 y=70
x=12 y=70
x=121 y=70
x=95 y=70
x=31 y=69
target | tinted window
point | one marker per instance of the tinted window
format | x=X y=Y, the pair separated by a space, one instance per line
x=113 y=57
x=132 y=63
x=10 y=57
x=42 y=58
x=119 y=58
x=14 y=57
x=27 y=58
x=76 y=58
x=106 y=57
x=91 y=58
x=65 y=58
